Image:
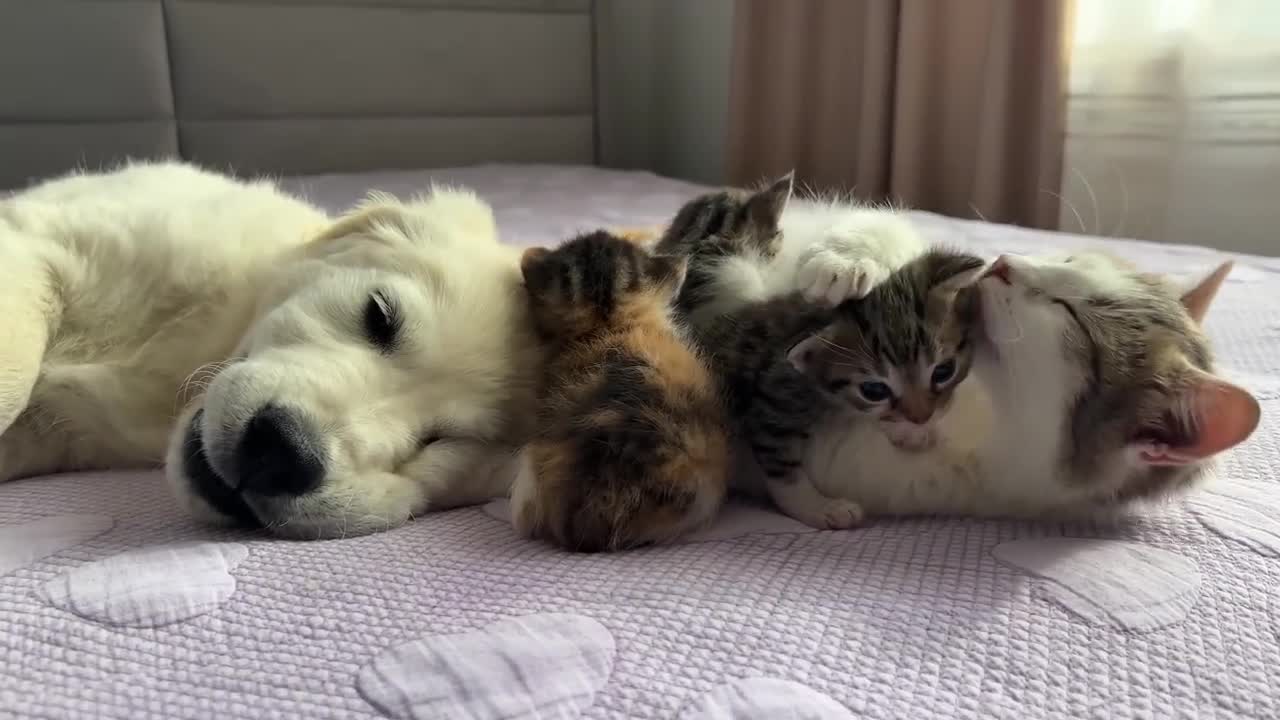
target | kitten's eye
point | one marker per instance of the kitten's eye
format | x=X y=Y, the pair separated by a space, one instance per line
x=875 y=391
x=943 y=372
x=382 y=321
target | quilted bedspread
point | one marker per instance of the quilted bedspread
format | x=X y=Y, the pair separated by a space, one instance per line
x=113 y=604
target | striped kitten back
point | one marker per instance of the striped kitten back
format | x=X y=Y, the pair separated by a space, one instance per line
x=633 y=447
x=771 y=404
x=721 y=227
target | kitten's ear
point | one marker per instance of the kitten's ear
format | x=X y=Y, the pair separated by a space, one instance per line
x=803 y=354
x=952 y=271
x=766 y=206
x=1223 y=415
x=666 y=272
x=1198 y=298
x=810 y=354
x=531 y=260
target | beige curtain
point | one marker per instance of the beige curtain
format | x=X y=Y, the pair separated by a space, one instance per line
x=954 y=106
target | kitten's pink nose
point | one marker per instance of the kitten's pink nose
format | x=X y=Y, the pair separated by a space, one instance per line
x=917 y=410
x=1000 y=269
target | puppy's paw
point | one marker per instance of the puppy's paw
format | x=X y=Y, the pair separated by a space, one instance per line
x=829 y=277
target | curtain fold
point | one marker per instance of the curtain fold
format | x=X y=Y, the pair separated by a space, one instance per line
x=954 y=107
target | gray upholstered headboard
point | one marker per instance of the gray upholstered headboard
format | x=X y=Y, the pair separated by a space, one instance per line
x=294 y=86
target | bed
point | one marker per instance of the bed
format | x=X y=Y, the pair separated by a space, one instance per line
x=114 y=604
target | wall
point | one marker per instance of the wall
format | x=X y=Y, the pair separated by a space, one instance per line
x=662 y=79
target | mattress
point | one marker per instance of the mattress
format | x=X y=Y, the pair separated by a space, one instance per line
x=114 y=604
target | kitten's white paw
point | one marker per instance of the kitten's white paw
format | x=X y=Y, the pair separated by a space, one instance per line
x=830 y=277
x=524 y=491
x=841 y=514
x=797 y=498
x=830 y=514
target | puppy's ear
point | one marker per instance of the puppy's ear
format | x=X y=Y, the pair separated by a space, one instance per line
x=377 y=209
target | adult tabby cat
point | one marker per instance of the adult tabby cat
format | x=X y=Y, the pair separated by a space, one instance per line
x=1091 y=385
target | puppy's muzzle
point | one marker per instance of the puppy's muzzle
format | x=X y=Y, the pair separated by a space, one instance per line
x=278 y=455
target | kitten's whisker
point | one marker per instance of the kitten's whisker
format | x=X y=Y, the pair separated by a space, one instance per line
x=846 y=353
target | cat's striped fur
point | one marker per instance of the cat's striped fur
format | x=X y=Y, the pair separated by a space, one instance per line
x=785 y=363
x=770 y=403
x=1089 y=388
x=633 y=447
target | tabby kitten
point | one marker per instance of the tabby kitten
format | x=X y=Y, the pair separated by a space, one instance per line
x=633 y=448
x=786 y=364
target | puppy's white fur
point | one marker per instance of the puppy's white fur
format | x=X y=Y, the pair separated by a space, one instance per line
x=134 y=298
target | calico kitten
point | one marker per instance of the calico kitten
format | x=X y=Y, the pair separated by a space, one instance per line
x=633 y=448
x=1090 y=391
x=785 y=364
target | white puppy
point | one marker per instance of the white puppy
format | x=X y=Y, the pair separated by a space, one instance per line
x=317 y=378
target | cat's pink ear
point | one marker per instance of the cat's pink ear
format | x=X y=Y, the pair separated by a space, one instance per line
x=1198 y=298
x=1224 y=414
x=765 y=207
x=530 y=259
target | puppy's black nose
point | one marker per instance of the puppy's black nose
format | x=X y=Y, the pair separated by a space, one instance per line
x=278 y=455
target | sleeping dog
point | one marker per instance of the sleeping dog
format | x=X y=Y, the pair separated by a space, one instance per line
x=315 y=377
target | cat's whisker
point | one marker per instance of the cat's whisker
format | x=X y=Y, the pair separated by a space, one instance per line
x=978 y=212
x=1070 y=206
x=1124 y=203
x=1097 y=209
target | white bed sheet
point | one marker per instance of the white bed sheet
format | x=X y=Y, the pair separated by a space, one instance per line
x=113 y=604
